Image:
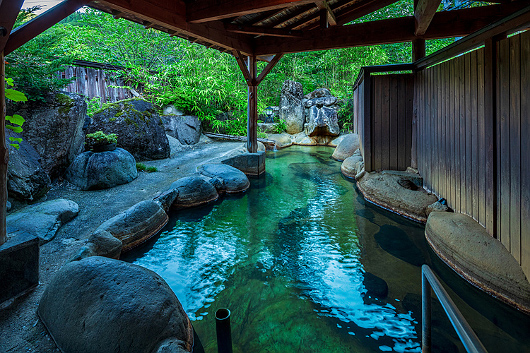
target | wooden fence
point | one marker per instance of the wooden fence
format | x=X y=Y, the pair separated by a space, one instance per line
x=383 y=111
x=94 y=80
x=472 y=142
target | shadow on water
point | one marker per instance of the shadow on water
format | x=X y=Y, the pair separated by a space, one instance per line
x=396 y=242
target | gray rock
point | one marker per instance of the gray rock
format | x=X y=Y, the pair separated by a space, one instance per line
x=101 y=305
x=281 y=140
x=347 y=147
x=291 y=109
x=102 y=170
x=165 y=199
x=42 y=220
x=138 y=127
x=186 y=128
x=137 y=224
x=479 y=258
x=318 y=93
x=172 y=110
x=320 y=102
x=268 y=128
x=193 y=191
x=322 y=122
x=55 y=129
x=105 y=244
x=27 y=180
x=352 y=166
x=225 y=178
x=437 y=207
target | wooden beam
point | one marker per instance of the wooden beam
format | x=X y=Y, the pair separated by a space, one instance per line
x=362 y=8
x=39 y=24
x=423 y=14
x=445 y=24
x=171 y=15
x=517 y=20
x=418 y=49
x=246 y=74
x=264 y=31
x=8 y=14
x=268 y=68
x=211 y=10
x=323 y=5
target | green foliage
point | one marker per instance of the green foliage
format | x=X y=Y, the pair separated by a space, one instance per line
x=100 y=138
x=143 y=168
x=281 y=126
x=34 y=65
x=15 y=119
x=345 y=115
x=93 y=105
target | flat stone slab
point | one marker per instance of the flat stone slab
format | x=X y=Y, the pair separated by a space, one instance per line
x=467 y=248
x=42 y=220
x=385 y=190
x=19 y=265
x=137 y=224
x=225 y=178
x=249 y=163
x=193 y=191
x=101 y=305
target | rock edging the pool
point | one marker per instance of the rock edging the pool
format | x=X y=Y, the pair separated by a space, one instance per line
x=466 y=247
x=142 y=221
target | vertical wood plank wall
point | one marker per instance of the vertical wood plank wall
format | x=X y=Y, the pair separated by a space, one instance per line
x=391 y=117
x=358 y=114
x=451 y=140
x=95 y=83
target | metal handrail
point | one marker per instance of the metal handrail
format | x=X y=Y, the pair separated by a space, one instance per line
x=466 y=334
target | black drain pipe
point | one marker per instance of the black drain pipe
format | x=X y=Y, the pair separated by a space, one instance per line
x=224 y=334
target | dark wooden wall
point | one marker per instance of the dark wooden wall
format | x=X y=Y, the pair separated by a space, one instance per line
x=466 y=159
x=95 y=83
x=391 y=130
x=383 y=111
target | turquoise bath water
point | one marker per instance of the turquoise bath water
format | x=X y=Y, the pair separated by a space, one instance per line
x=305 y=265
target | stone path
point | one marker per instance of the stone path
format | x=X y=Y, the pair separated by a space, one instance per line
x=20 y=329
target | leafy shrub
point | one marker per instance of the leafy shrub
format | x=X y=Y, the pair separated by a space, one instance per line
x=15 y=120
x=100 y=138
x=280 y=126
x=143 y=168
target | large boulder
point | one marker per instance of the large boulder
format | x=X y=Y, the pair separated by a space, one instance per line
x=138 y=127
x=193 y=191
x=42 y=220
x=137 y=224
x=185 y=128
x=346 y=147
x=102 y=170
x=101 y=305
x=54 y=128
x=322 y=121
x=318 y=93
x=225 y=178
x=352 y=166
x=291 y=109
x=26 y=179
x=464 y=245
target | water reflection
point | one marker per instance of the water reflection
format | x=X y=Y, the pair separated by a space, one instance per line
x=303 y=264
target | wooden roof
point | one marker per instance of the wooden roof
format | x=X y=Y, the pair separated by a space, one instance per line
x=266 y=27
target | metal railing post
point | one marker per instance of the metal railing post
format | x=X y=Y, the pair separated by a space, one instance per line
x=426 y=302
x=466 y=334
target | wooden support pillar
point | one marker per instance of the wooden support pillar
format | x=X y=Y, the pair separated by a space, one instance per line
x=250 y=72
x=324 y=19
x=367 y=137
x=252 y=108
x=4 y=154
x=418 y=49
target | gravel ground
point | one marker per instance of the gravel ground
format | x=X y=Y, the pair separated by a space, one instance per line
x=20 y=328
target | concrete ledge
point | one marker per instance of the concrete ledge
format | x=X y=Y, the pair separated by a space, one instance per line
x=468 y=249
x=249 y=163
x=19 y=266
